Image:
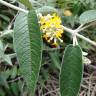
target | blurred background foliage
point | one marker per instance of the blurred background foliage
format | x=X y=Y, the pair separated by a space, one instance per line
x=11 y=82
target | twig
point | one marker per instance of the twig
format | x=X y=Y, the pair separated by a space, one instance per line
x=82 y=92
x=94 y=90
x=51 y=92
x=12 y=6
x=89 y=87
x=87 y=26
x=11 y=23
x=52 y=49
x=6 y=33
x=80 y=27
x=92 y=66
x=12 y=55
x=14 y=80
x=80 y=36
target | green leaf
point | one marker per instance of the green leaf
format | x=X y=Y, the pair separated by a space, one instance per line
x=28 y=47
x=3 y=81
x=71 y=71
x=14 y=72
x=27 y=3
x=46 y=9
x=2 y=92
x=55 y=59
x=14 y=88
x=4 y=17
x=7 y=59
x=4 y=57
x=60 y=3
x=88 y=16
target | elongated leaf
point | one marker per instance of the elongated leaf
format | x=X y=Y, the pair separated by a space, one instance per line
x=28 y=46
x=71 y=71
x=88 y=16
x=27 y=3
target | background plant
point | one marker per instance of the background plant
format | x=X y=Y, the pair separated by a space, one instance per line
x=10 y=76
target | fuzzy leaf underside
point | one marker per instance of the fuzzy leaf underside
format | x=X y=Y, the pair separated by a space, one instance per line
x=28 y=47
x=88 y=16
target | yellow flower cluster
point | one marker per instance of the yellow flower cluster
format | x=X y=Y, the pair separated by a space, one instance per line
x=51 y=28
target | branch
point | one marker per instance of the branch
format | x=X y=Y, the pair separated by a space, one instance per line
x=80 y=36
x=12 y=6
x=65 y=28
x=6 y=33
x=87 y=26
